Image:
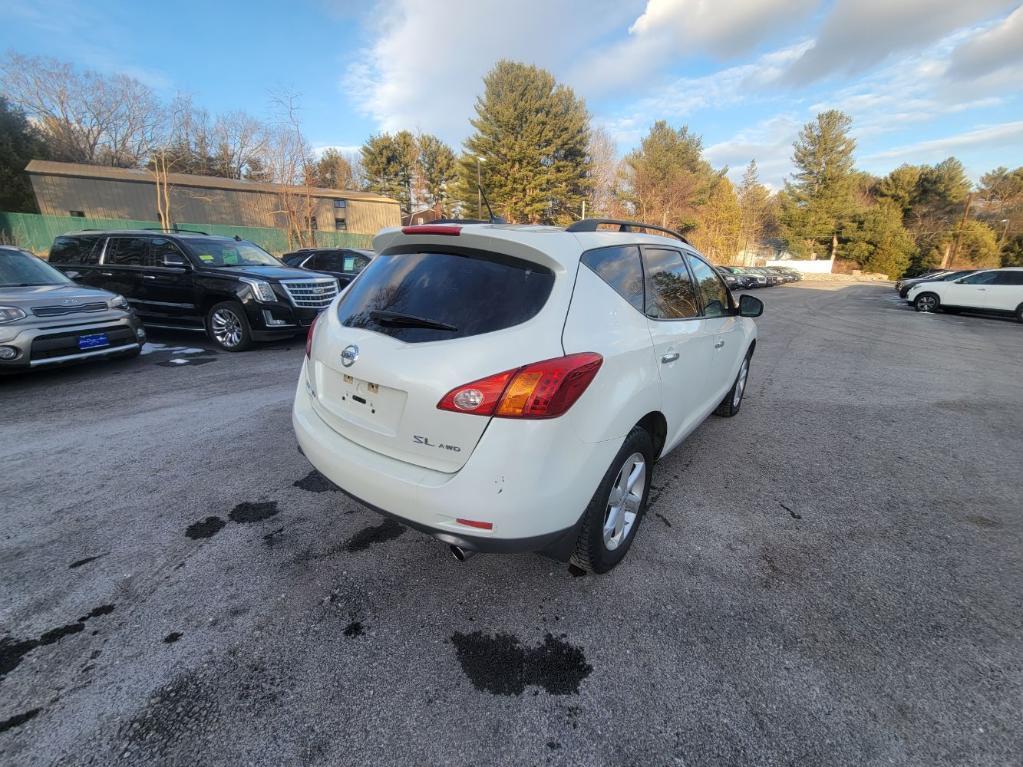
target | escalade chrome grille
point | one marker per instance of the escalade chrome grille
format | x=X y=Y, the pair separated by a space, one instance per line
x=57 y=311
x=311 y=294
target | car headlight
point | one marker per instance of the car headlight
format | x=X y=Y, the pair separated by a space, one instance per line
x=119 y=302
x=11 y=313
x=263 y=291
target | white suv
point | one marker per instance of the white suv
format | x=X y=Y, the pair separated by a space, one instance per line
x=508 y=388
x=992 y=291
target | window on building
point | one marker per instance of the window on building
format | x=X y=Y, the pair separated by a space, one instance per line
x=310 y=223
x=340 y=203
x=340 y=225
x=77 y=213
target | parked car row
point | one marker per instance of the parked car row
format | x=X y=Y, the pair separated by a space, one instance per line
x=986 y=291
x=101 y=287
x=749 y=277
x=941 y=275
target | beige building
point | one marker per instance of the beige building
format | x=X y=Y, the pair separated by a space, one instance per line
x=91 y=191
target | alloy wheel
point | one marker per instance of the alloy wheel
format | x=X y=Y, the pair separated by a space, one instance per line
x=226 y=327
x=624 y=501
x=926 y=303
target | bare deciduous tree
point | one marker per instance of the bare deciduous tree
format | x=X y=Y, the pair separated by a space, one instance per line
x=83 y=115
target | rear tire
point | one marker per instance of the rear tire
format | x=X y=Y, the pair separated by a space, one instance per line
x=733 y=400
x=927 y=302
x=612 y=517
x=1019 y=313
x=228 y=327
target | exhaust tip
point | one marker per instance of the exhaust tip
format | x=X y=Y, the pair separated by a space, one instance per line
x=460 y=554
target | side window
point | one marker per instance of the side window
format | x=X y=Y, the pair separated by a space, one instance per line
x=619 y=267
x=1008 y=278
x=74 y=250
x=712 y=289
x=980 y=278
x=669 y=289
x=330 y=262
x=126 y=251
x=158 y=248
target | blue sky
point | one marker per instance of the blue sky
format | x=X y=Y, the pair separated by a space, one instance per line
x=922 y=79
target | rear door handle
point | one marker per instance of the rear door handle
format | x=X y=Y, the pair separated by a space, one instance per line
x=719 y=344
x=148 y=277
x=107 y=274
x=666 y=358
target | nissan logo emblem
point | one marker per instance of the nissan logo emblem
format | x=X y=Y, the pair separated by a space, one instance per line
x=349 y=355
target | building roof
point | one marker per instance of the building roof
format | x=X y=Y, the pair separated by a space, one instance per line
x=78 y=170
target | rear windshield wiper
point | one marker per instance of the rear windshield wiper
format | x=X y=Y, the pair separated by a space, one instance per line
x=409 y=321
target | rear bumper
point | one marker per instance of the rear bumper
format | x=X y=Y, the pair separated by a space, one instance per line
x=522 y=478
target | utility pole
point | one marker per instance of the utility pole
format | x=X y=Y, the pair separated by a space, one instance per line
x=479 y=190
x=951 y=256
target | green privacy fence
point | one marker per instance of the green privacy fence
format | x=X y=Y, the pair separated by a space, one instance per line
x=35 y=232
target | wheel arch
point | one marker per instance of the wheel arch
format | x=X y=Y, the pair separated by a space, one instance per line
x=656 y=425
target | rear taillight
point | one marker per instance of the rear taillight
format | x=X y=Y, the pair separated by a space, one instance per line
x=309 y=336
x=544 y=389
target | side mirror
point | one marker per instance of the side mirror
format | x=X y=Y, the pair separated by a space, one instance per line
x=750 y=306
x=174 y=259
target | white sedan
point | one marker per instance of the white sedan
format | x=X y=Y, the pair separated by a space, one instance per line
x=993 y=291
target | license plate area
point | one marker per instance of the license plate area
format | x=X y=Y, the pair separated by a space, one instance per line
x=360 y=402
x=93 y=341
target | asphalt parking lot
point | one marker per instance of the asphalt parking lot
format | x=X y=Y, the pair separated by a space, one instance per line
x=833 y=577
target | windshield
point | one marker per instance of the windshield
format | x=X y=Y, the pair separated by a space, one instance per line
x=214 y=252
x=21 y=269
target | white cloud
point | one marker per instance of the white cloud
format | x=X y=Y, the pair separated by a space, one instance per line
x=425 y=66
x=859 y=34
x=1009 y=134
x=670 y=30
x=996 y=48
x=769 y=142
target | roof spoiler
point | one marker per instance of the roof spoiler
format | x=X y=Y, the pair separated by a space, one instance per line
x=591 y=225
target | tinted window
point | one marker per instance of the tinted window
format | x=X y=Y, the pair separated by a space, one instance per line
x=74 y=250
x=712 y=290
x=1008 y=278
x=294 y=259
x=330 y=262
x=355 y=264
x=126 y=251
x=669 y=289
x=159 y=247
x=471 y=291
x=980 y=278
x=620 y=268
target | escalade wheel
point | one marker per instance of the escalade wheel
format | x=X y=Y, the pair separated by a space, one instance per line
x=733 y=400
x=612 y=518
x=926 y=302
x=228 y=327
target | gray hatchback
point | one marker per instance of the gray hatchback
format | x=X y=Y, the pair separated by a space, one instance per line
x=46 y=319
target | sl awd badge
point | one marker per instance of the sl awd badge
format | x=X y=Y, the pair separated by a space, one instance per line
x=349 y=355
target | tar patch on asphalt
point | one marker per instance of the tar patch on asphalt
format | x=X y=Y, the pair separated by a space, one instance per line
x=205 y=528
x=19 y=719
x=355 y=629
x=172 y=637
x=253 y=512
x=315 y=482
x=12 y=651
x=979 y=521
x=387 y=530
x=78 y=563
x=499 y=664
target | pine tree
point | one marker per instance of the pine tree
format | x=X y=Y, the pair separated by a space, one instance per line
x=530 y=143
x=754 y=203
x=436 y=175
x=390 y=164
x=333 y=171
x=820 y=196
x=877 y=240
x=19 y=143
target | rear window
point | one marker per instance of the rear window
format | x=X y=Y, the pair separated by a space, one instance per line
x=74 y=250
x=418 y=297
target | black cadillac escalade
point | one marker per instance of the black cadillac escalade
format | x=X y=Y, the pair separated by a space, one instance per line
x=230 y=288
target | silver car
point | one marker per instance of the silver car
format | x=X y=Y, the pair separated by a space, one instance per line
x=46 y=319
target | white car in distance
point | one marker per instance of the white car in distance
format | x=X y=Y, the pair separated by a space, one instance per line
x=509 y=388
x=992 y=291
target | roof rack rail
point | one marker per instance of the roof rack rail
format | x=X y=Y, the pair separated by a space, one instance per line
x=172 y=230
x=459 y=221
x=591 y=224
